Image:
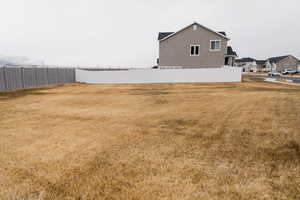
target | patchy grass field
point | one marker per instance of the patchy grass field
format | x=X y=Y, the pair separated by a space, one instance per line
x=156 y=141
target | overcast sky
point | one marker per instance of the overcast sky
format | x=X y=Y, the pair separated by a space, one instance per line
x=124 y=32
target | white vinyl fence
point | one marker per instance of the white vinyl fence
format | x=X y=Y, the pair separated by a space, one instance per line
x=226 y=74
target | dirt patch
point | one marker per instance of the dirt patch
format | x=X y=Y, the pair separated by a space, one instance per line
x=150 y=91
x=25 y=92
x=252 y=79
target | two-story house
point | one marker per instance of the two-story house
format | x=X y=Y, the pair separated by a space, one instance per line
x=252 y=65
x=278 y=64
x=194 y=46
x=281 y=63
x=247 y=64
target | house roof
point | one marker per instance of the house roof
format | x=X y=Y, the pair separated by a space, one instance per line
x=230 y=51
x=272 y=59
x=162 y=35
x=245 y=60
x=277 y=59
x=195 y=23
x=222 y=32
x=260 y=62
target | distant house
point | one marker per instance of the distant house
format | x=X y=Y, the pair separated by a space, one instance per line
x=248 y=64
x=261 y=66
x=253 y=65
x=281 y=63
x=194 y=46
x=271 y=64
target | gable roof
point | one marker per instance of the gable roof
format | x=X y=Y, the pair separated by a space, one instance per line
x=260 y=62
x=248 y=59
x=277 y=59
x=230 y=51
x=245 y=60
x=195 y=23
x=162 y=35
x=222 y=32
x=271 y=60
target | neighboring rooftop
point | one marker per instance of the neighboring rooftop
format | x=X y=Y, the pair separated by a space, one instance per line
x=277 y=59
x=272 y=59
x=230 y=51
x=242 y=60
x=260 y=62
x=162 y=35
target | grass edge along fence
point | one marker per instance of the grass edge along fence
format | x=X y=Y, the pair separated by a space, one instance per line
x=18 y=77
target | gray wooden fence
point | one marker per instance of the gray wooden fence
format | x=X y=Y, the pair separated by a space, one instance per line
x=12 y=77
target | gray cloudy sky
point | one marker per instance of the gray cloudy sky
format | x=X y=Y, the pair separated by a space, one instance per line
x=124 y=32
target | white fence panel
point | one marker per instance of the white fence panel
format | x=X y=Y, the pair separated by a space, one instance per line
x=226 y=74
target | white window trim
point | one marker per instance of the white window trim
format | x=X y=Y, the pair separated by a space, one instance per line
x=215 y=41
x=195 y=46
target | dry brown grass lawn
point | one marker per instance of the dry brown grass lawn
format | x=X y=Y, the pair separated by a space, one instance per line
x=156 y=141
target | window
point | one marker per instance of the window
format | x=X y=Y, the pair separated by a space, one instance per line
x=215 y=45
x=195 y=50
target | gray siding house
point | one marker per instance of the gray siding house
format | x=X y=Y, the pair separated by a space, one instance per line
x=278 y=64
x=284 y=62
x=194 y=46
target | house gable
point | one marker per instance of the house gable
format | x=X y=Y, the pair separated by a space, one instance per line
x=175 y=49
x=287 y=58
x=170 y=34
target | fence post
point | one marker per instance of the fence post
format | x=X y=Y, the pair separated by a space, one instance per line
x=4 y=77
x=74 y=75
x=47 y=74
x=57 y=70
x=22 y=77
x=65 y=75
x=35 y=77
